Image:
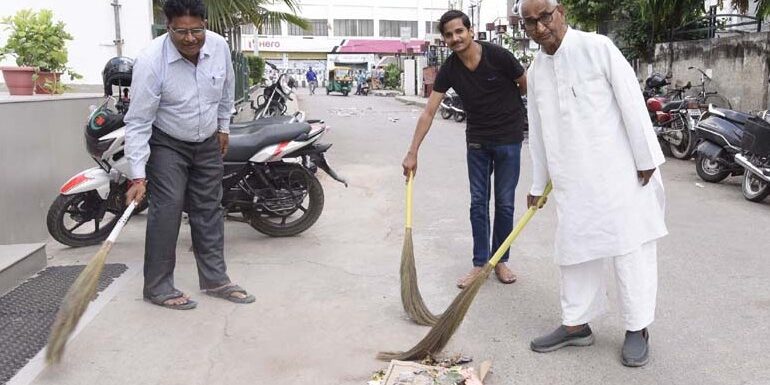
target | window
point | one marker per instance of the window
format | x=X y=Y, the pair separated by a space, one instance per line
x=318 y=27
x=272 y=28
x=392 y=28
x=353 y=27
x=247 y=29
x=431 y=28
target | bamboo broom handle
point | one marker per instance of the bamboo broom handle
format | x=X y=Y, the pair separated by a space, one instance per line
x=519 y=226
x=409 y=188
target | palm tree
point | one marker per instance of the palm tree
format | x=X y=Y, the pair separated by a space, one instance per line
x=227 y=15
x=763 y=7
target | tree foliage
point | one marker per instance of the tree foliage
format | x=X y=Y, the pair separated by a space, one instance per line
x=224 y=15
x=640 y=23
x=763 y=7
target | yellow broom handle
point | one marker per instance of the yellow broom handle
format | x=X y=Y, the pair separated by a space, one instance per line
x=519 y=226
x=409 y=200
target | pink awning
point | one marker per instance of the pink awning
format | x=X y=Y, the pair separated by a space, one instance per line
x=378 y=46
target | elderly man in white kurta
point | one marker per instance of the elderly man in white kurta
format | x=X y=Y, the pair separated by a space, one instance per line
x=589 y=133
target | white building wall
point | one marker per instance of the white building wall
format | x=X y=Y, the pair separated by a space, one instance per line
x=92 y=24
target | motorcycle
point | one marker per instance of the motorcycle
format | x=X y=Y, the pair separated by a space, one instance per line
x=269 y=176
x=673 y=116
x=720 y=133
x=755 y=158
x=452 y=106
x=272 y=101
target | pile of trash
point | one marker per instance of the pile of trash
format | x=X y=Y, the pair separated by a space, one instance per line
x=449 y=371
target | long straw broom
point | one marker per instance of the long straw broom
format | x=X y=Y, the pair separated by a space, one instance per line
x=442 y=331
x=410 y=292
x=81 y=293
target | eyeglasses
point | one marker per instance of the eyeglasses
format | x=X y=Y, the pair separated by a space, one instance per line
x=544 y=19
x=183 y=32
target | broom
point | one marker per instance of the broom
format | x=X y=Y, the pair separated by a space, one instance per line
x=81 y=293
x=410 y=292
x=442 y=331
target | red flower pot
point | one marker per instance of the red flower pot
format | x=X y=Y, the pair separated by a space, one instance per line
x=42 y=78
x=19 y=80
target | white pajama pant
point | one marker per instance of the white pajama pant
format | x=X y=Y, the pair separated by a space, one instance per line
x=584 y=288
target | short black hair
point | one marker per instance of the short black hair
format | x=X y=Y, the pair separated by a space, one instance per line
x=178 y=8
x=451 y=15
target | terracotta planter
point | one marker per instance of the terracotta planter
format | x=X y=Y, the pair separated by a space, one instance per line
x=19 y=80
x=42 y=78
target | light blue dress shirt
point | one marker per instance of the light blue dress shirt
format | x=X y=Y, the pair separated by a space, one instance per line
x=185 y=101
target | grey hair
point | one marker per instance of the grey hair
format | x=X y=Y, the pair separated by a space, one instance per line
x=520 y=3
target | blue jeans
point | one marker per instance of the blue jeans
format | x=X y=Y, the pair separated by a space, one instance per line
x=484 y=160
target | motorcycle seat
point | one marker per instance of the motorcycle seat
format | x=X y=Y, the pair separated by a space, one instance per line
x=254 y=125
x=735 y=116
x=673 y=105
x=243 y=146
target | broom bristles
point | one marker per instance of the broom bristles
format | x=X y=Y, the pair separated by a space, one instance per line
x=75 y=303
x=442 y=331
x=410 y=291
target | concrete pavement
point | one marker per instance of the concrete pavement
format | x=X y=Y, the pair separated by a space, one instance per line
x=328 y=300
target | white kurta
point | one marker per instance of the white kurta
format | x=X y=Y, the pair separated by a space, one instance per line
x=589 y=133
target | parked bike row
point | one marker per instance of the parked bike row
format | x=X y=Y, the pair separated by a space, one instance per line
x=723 y=141
x=269 y=169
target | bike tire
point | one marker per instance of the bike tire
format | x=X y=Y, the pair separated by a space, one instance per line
x=316 y=205
x=459 y=117
x=752 y=193
x=58 y=230
x=446 y=113
x=708 y=171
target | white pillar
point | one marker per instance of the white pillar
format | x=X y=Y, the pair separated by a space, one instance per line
x=410 y=77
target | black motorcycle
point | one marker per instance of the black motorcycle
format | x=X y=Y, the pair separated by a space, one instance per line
x=720 y=133
x=269 y=179
x=272 y=101
x=452 y=106
x=755 y=158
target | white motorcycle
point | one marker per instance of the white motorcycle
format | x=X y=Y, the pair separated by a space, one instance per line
x=269 y=179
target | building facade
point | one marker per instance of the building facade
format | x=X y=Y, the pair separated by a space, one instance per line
x=360 y=34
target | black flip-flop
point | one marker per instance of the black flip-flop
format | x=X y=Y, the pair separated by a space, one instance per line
x=226 y=292
x=162 y=298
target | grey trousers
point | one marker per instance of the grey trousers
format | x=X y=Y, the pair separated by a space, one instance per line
x=183 y=175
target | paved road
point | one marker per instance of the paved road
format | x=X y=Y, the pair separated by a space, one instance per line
x=328 y=300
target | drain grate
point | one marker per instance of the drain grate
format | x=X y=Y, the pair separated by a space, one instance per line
x=27 y=312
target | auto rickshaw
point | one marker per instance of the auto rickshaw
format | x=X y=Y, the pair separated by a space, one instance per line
x=340 y=80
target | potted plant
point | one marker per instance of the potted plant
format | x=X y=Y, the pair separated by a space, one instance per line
x=39 y=45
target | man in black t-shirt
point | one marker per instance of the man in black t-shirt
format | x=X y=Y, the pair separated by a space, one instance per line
x=490 y=82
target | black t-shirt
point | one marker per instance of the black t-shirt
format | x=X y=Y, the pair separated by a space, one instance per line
x=491 y=98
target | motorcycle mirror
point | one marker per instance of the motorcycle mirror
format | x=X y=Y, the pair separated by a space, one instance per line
x=271 y=65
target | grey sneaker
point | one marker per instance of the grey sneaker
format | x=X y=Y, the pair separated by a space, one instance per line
x=560 y=338
x=636 y=349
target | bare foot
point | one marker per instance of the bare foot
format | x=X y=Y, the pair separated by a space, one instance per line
x=504 y=274
x=466 y=280
x=177 y=301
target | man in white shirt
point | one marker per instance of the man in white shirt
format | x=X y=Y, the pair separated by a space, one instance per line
x=176 y=135
x=590 y=135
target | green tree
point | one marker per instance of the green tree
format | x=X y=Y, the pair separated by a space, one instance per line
x=224 y=15
x=763 y=7
x=256 y=68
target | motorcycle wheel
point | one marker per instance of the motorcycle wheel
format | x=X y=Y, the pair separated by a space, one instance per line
x=685 y=149
x=719 y=101
x=754 y=188
x=446 y=113
x=278 y=224
x=459 y=117
x=70 y=213
x=710 y=170
x=344 y=93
